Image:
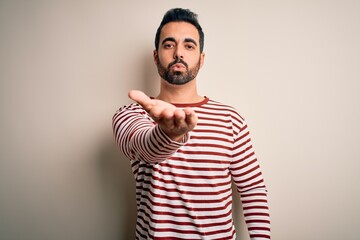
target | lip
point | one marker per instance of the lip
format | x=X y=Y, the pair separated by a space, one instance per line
x=178 y=66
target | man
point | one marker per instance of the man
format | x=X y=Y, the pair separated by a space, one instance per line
x=185 y=149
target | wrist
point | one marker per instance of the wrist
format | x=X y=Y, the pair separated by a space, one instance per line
x=179 y=139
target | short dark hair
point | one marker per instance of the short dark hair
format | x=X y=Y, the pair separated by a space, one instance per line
x=180 y=15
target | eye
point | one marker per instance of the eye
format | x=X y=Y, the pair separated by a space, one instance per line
x=168 y=45
x=189 y=46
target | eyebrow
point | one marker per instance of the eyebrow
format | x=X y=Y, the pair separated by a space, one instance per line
x=171 y=39
x=191 y=40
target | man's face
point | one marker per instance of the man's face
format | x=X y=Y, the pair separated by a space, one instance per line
x=178 y=58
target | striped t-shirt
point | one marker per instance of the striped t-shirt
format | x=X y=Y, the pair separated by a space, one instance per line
x=183 y=189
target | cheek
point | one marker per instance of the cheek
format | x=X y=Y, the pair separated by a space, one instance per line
x=164 y=60
x=195 y=61
x=159 y=57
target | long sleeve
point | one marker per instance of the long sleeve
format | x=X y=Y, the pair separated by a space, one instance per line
x=139 y=137
x=248 y=178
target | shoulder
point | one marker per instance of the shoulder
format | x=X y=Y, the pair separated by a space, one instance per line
x=129 y=110
x=225 y=109
x=133 y=107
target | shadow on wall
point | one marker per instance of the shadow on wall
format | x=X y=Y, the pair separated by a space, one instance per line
x=150 y=77
x=118 y=186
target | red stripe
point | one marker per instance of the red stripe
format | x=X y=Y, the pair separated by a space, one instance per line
x=259 y=236
x=191 y=176
x=204 y=153
x=207 y=233
x=255 y=207
x=154 y=195
x=206 y=169
x=256 y=214
x=180 y=183
x=254 y=195
x=244 y=165
x=187 y=223
x=257 y=221
x=190 y=160
x=202 y=118
x=247 y=172
x=227 y=214
x=244 y=158
x=259 y=229
x=227 y=140
x=212 y=125
x=212 y=132
x=184 y=207
x=208 y=145
x=253 y=201
x=196 y=193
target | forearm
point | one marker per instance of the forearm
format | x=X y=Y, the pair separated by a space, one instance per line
x=139 y=138
x=256 y=213
x=253 y=194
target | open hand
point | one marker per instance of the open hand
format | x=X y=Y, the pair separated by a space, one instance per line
x=173 y=121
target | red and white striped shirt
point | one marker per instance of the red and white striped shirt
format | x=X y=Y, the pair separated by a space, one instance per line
x=183 y=189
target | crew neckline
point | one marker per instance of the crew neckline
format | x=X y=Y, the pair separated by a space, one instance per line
x=196 y=104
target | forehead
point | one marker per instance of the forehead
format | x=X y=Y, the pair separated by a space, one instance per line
x=179 y=31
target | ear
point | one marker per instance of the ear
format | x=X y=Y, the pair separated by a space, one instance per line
x=202 y=59
x=156 y=57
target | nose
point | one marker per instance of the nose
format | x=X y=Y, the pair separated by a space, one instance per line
x=178 y=53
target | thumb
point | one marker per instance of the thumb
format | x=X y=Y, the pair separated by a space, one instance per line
x=141 y=98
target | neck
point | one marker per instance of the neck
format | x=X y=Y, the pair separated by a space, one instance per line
x=186 y=93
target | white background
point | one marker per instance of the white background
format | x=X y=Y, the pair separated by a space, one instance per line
x=291 y=68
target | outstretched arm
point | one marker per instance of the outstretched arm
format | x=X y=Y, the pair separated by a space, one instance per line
x=138 y=137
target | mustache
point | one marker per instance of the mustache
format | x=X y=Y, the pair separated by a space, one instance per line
x=178 y=60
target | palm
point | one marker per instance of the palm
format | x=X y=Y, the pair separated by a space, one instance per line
x=173 y=121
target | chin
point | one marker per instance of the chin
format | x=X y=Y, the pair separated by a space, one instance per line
x=178 y=82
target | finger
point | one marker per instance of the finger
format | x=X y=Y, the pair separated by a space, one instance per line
x=159 y=113
x=190 y=118
x=167 y=117
x=156 y=113
x=141 y=98
x=179 y=117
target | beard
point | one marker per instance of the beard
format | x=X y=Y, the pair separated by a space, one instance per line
x=177 y=77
